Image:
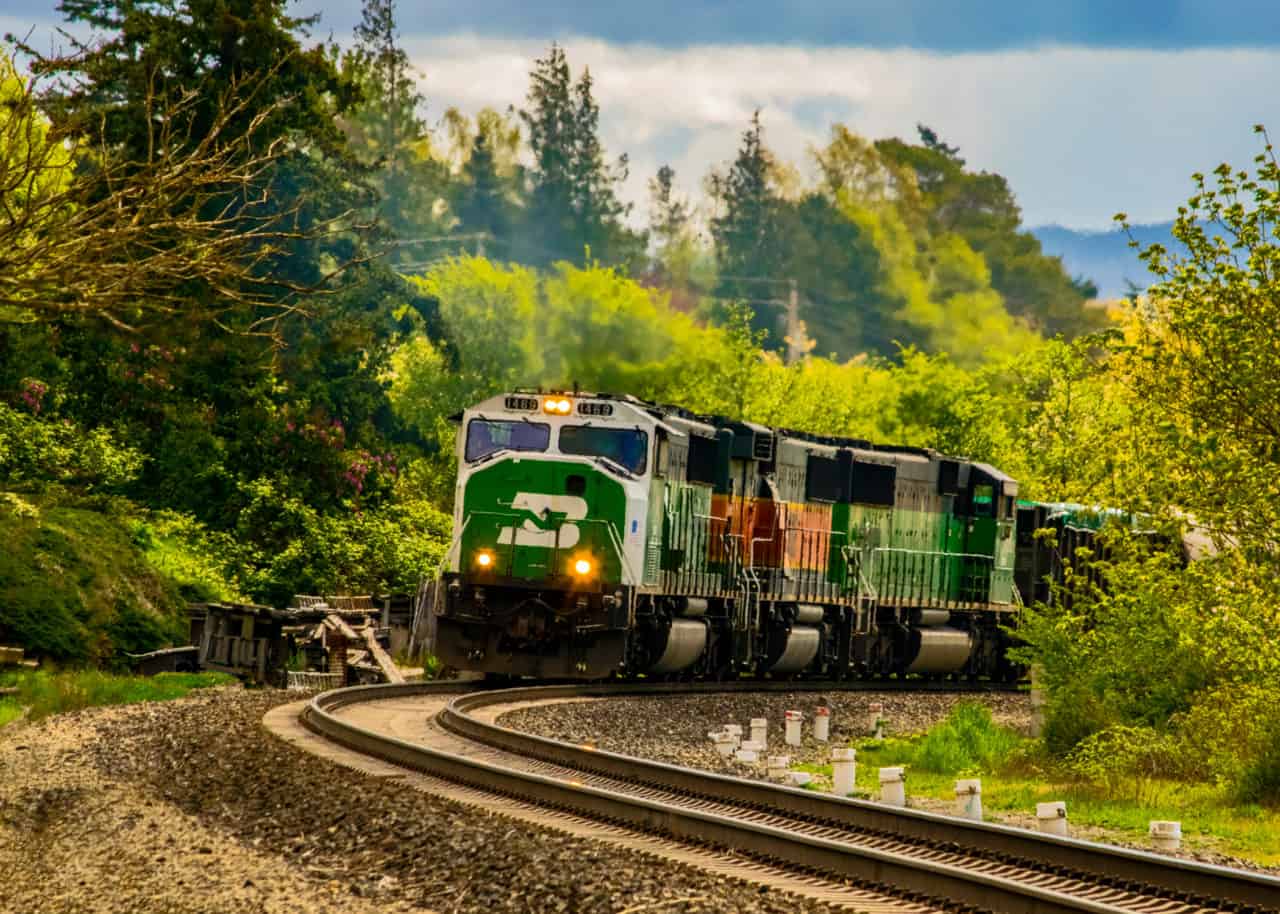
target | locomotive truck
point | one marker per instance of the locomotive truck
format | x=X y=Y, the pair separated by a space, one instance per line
x=599 y=536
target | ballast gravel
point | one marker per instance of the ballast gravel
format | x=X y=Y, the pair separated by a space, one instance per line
x=674 y=728
x=191 y=806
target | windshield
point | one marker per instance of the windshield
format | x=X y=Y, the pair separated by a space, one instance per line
x=627 y=447
x=487 y=436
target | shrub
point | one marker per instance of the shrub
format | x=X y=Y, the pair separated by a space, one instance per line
x=1259 y=781
x=1122 y=756
x=968 y=739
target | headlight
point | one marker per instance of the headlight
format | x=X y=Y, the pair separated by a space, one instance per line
x=557 y=406
x=582 y=567
x=484 y=560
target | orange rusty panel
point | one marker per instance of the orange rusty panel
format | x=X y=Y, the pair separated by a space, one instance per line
x=808 y=536
x=768 y=520
x=771 y=533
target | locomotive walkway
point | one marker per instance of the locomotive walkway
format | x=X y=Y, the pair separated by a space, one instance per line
x=844 y=851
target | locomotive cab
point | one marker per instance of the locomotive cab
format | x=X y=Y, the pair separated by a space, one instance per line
x=549 y=519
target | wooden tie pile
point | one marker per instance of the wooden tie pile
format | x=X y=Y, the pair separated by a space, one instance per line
x=355 y=648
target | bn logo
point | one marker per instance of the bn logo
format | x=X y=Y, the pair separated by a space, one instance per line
x=543 y=515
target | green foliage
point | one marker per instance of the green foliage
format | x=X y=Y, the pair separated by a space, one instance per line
x=1260 y=780
x=1177 y=418
x=943 y=302
x=979 y=208
x=968 y=740
x=386 y=133
x=75 y=588
x=748 y=230
x=10 y=711
x=37 y=449
x=1124 y=757
x=45 y=693
x=1204 y=351
x=874 y=264
x=186 y=552
x=289 y=547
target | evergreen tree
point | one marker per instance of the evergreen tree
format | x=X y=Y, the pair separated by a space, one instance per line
x=219 y=390
x=387 y=133
x=482 y=206
x=573 y=206
x=678 y=258
x=668 y=214
x=930 y=139
x=747 y=230
x=392 y=117
x=550 y=122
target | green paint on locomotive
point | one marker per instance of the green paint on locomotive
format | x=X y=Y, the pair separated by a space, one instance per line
x=922 y=557
x=906 y=556
x=536 y=517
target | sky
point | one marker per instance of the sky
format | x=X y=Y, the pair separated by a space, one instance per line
x=1088 y=107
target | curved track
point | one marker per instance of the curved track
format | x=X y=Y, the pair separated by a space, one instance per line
x=956 y=863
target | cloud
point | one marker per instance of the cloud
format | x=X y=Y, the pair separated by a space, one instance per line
x=946 y=25
x=1081 y=133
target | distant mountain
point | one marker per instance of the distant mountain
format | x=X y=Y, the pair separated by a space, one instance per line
x=1105 y=257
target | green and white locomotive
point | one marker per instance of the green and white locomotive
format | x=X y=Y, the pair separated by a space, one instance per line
x=599 y=535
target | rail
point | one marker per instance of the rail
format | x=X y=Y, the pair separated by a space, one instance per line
x=1170 y=881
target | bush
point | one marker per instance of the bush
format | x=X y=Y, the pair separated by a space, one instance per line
x=290 y=547
x=41 y=449
x=967 y=740
x=1259 y=782
x=1122 y=756
x=195 y=558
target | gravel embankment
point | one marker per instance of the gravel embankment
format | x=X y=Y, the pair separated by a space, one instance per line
x=673 y=728
x=191 y=806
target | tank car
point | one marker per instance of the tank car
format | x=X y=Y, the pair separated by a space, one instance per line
x=599 y=536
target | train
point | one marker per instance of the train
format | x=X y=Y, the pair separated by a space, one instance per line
x=599 y=536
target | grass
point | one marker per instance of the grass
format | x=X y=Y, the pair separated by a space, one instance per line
x=1016 y=776
x=10 y=710
x=45 y=693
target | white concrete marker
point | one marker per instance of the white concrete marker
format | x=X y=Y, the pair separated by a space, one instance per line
x=969 y=799
x=844 y=770
x=777 y=765
x=794 y=721
x=800 y=778
x=875 y=711
x=747 y=755
x=893 y=788
x=821 y=724
x=726 y=743
x=759 y=728
x=1166 y=836
x=1052 y=818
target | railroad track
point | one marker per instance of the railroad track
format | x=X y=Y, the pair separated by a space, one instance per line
x=953 y=862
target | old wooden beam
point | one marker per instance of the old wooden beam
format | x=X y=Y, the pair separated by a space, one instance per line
x=388 y=666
